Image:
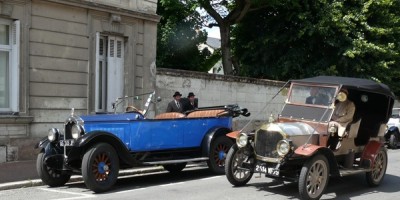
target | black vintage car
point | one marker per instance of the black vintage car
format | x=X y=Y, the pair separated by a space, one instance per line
x=302 y=145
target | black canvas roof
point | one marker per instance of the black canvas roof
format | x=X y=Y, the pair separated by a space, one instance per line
x=356 y=83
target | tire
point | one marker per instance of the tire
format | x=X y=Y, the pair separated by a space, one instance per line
x=314 y=177
x=375 y=177
x=235 y=172
x=175 y=168
x=49 y=176
x=393 y=141
x=219 y=148
x=100 y=167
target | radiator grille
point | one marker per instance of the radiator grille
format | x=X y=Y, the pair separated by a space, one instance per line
x=266 y=142
x=68 y=132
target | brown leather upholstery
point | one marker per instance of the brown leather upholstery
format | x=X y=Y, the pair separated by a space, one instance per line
x=170 y=115
x=206 y=113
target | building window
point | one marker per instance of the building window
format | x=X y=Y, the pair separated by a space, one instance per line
x=109 y=71
x=9 y=65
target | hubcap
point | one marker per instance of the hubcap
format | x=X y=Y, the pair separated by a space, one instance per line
x=239 y=172
x=316 y=179
x=101 y=167
x=220 y=154
x=379 y=165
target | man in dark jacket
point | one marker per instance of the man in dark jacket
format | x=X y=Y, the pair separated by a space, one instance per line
x=191 y=103
x=175 y=105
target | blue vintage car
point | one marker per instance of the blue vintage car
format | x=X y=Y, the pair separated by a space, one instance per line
x=98 y=146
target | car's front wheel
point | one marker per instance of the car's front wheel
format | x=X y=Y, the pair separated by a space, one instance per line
x=314 y=177
x=219 y=148
x=100 y=166
x=375 y=177
x=393 y=140
x=238 y=166
x=175 y=168
x=51 y=177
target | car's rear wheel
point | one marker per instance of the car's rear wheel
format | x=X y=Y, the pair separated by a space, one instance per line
x=219 y=148
x=100 y=167
x=375 y=177
x=51 y=177
x=175 y=168
x=314 y=177
x=393 y=140
x=238 y=166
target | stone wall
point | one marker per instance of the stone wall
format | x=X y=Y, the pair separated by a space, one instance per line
x=58 y=61
x=215 y=90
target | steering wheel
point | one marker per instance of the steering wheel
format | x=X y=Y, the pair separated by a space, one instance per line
x=130 y=109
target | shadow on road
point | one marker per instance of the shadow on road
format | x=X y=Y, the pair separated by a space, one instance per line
x=152 y=179
x=342 y=187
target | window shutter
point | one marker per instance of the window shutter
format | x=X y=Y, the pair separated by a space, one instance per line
x=15 y=62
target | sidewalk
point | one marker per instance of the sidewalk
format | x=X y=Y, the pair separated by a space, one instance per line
x=23 y=174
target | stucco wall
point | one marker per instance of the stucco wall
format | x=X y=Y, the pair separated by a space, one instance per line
x=57 y=61
x=215 y=90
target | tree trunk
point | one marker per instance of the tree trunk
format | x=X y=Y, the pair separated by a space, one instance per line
x=226 y=49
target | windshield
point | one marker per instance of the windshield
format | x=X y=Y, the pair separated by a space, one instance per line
x=313 y=95
x=395 y=113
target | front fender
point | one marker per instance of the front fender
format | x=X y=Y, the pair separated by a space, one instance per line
x=210 y=135
x=310 y=150
x=370 y=152
x=95 y=137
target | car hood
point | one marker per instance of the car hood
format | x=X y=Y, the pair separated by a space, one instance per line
x=291 y=128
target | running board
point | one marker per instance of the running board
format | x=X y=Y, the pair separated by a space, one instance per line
x=347 y=172
x=165 y=162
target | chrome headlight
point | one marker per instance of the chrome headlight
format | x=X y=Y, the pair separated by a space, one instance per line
x=53 y=135
x=76 y=131
x=241 y=141
x=332 y=129
x=283 y=147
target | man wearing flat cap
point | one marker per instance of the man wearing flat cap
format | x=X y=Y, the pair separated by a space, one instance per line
x=175 y=105
x=191 y=103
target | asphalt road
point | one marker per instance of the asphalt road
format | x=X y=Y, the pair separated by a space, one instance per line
x=198 y=183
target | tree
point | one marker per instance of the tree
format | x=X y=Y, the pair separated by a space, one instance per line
x=179 y=36
x=297 y=39
x=224 y=14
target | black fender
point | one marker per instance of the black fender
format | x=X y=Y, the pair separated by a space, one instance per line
x=393 y=130
x=48 y=147
x=333 y=166
x=95 y=137
x=210 y=135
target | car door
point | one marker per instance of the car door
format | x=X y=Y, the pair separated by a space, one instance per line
x=158 y=135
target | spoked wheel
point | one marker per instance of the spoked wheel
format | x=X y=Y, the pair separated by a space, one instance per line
x=175 y=168
x=100 y=167
x=238 y=166
x=51 y=177
x=375 y=177
x=314 y=178
x=393 y=141
x=219 y=148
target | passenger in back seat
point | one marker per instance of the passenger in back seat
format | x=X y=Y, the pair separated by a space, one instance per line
x=175 y=105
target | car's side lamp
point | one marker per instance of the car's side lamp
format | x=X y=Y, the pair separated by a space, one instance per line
x=341 y=96
x=159 y=99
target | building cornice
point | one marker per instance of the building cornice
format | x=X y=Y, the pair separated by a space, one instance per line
x=107 y=8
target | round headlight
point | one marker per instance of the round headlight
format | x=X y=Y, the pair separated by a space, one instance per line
x=341 y=96
x=332 y=129
x=283 y=147
x=53 y=134
x=241 y=141
x=76 y=131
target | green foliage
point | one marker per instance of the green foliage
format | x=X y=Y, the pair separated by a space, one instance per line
x=302 y=38
x=179 y=35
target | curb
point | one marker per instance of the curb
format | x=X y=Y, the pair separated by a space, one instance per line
x=77 y=178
